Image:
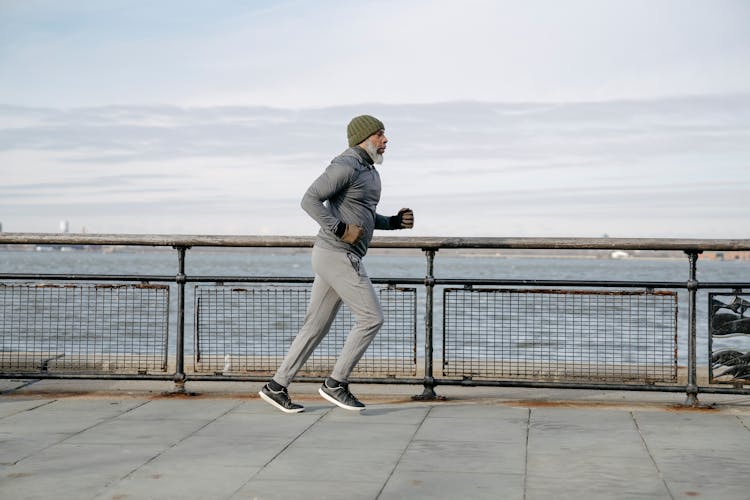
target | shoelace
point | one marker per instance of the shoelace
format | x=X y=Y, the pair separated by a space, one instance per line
x=282 y=391
x=287 y=401
x=345 y=389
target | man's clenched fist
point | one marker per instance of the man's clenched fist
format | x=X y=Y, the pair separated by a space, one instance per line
x=352 y=234
x=406 y=218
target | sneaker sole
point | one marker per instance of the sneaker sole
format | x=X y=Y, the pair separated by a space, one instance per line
x=339 y=403
x=277 y=405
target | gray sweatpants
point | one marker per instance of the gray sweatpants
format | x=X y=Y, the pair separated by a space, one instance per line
x=339 y=276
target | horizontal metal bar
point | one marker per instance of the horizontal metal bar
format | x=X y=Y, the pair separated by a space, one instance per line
x=588 y=283
x=249 y=279
x=717 y=284
x=574 y=385
x=85 y=376
x=386 y=381
x=425 y=243
x=291 y=279
x=264 y=378
x=85 y=277
x=401 y=281
x=454 y=382
x=564 y=283
x=190 y=279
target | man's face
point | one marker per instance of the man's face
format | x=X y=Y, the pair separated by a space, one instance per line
x=379 y=140
x=375 y=146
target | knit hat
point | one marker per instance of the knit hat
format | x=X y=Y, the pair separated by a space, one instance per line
x=362 y=127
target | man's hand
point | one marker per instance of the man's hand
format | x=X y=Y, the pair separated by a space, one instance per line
x=407 y=218
x=352 y=234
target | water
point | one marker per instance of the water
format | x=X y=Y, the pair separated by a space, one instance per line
x=402 y=264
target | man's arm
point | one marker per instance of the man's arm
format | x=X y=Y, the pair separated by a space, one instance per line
x=332 y=181
x=335 y=178
x=404 y=219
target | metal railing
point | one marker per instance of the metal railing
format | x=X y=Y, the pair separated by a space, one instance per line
x=497 y=332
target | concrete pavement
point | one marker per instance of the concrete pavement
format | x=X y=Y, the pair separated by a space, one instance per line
x=125 y=440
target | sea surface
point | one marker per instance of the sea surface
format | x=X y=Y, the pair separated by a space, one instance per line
x=381 y=264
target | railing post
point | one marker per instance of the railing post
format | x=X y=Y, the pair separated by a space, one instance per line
x=429 y=284
x=180 y=279
x=692 y=287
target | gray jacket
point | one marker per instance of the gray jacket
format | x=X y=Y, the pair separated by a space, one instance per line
x=348 y=191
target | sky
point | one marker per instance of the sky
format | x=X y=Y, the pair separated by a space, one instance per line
x=539 y=118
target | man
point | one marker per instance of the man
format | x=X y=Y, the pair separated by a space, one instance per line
x=343 y=201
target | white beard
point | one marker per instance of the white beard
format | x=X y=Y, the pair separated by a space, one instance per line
x=377 y=158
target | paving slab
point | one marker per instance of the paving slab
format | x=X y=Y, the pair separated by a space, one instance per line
x=367 y=434
x=474 y=429
x=10 y=407
x=459 y=485
x=451 y=456
x=159 y=481
x=72 y=471
x=332 y=464
x=267 y=489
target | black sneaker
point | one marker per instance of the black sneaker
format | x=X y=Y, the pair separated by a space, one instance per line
x=340 y=395
x=280 y=399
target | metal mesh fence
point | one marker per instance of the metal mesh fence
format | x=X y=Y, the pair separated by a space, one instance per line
x=250 y=329
x=560 y=334
x=84 y=328
x=729 y=337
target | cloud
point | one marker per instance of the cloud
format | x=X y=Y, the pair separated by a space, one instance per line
x=622 y=167
x=461 y=129
x=124 y=183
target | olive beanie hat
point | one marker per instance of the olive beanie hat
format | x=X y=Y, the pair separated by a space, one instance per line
x=362 y=127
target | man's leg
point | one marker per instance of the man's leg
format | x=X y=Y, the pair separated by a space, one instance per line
x=324 y=304
x=351 y=283
x=348 y=277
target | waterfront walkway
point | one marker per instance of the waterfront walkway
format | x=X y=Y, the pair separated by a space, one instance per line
x=127 y=440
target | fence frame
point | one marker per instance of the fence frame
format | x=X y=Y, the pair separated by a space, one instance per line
x=692 y=248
